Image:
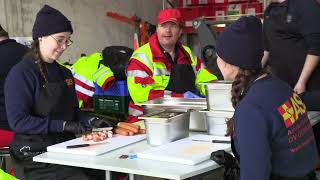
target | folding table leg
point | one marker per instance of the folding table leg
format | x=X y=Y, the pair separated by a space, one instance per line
x=108 y=175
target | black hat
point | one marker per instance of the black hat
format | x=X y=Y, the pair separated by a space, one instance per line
x=3 y=33
x=50 y=21
x=240 y=43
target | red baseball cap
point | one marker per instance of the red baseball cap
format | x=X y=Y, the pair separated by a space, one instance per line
x=172 y=15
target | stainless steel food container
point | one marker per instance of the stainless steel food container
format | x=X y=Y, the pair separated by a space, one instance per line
x=174 y=103
x=197 y=121
x=219 y=96
x=166 y=126
x=216 y=121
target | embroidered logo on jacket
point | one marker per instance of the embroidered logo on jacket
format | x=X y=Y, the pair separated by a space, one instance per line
x=69 y=82
x=291 y=110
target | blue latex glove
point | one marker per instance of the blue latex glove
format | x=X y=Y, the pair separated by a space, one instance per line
x=190 y=95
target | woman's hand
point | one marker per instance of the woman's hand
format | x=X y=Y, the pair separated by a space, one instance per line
x=76 y=127
x=97 y=122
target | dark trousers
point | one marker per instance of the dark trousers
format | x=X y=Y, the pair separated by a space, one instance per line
x=312 y=100
x=310 y=176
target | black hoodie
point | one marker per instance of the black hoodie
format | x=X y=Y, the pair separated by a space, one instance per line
x=11 y=53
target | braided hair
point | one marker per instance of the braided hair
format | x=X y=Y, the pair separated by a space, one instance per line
x=35 y=51
x=239 y=86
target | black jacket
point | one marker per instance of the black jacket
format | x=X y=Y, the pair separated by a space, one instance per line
x=11 y=53
x=292 y=30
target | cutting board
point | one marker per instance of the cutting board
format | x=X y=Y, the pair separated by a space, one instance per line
x=96 y=148
x=185 y=151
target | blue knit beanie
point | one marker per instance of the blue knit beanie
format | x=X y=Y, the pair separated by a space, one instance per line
x=50 y=21
x=240 y=43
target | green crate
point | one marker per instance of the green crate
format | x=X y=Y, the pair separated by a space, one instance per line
x=117 y=105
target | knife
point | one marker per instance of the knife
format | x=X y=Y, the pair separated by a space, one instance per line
x=221 y=141
x=77 y=146
x=83 y=145
x=213 y=141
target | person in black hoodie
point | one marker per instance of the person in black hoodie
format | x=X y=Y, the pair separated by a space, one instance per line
x=11 y=53
x=292 y=48
x=41 y=103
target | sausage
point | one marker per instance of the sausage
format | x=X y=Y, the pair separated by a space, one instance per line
x=104 y=136
x=128 y=127
x=142 y=131
x=130 y=124
x=101 y=135
x=109 y=134
x=95 y=136
x=122 y=131
x=84 y=138
x=89 y=136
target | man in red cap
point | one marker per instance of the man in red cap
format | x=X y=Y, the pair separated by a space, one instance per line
x=164 y=67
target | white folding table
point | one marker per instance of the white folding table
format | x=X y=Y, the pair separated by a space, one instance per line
x=111 y=162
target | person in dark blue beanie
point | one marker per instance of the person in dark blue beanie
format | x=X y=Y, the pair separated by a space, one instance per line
x=237 y=39
x=292 y=49
x=272 y=135
x=41 y=104
x=50 y=21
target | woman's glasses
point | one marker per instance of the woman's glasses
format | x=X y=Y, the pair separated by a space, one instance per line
x=62 y=42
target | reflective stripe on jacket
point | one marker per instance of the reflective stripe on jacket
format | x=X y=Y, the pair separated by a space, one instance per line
x=148 y=72
x=88 y=70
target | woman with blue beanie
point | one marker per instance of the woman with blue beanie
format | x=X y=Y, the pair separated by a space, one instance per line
x=270 y=128
x=41 y=102
x=292 y=48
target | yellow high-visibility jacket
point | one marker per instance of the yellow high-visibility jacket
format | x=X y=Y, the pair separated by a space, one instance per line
x=148 y=73
x=88 y=70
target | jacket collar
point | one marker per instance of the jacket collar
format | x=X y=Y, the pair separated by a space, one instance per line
x=158 y=55
x=7 y=41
